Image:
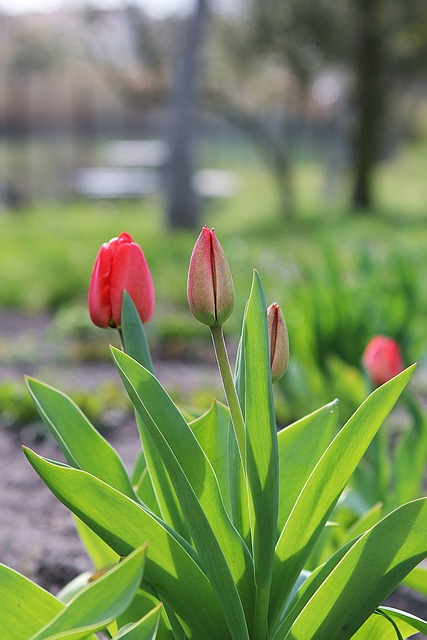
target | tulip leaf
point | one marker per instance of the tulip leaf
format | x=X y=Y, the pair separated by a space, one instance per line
x=261 y=446
x=134 y=338
x=98 y=551
x=99 y=603
x=163 y=488
x=125 y=525
x=26 y=607
x=410 y=456
x=82 y=445
x=385 y=553
x=301 y=445
x=417 y=580
x=144 y=629
x=384 y=627
x=408 y=618
x=211 y=430
x=166 y=501
x=223 y=553
x=324 y=486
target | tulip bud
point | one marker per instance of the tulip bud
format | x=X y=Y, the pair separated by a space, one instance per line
x=278 y=341
x=210 y=289
x=120 y=266
x=382 y=359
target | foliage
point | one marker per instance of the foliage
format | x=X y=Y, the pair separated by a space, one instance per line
x=229 y=508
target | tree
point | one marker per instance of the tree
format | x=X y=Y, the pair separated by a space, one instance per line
x=182 y=203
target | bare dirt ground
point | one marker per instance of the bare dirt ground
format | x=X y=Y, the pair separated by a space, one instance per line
x=37 y=535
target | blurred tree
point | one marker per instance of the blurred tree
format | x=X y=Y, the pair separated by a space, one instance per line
x=382 y=44
x=159 y=62
x=182 y=201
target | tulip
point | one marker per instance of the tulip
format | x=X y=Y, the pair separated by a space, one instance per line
x=210 y=289
x=382 y=359
x=120 y=266
x=278 y=341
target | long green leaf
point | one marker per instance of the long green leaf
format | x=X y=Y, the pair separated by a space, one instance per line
x=99 y=603
x=211 y=430
x=261 y=449
x=384 y=627
x=25 y=607
x=408 y=618
x=301 y=445
x=134 y=338
x=82 y=445
x=385 y=553
x=417 y=580
x=224 y=554
x=144 y=629
x=124 y=525
x=167 y=503
x=324 y=487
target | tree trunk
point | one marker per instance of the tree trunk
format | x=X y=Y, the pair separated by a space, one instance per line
x=181 y=200
x=369 y=101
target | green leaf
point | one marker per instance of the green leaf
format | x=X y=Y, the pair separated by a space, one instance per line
x=408 y=618
x=308 y=588
x=261 y=448
x=166 y=502
x=301 y=444
x=134 y=338
x=211 y=430
x=144 y=629
x=223 y=553
x=99 y=552
x=26 y=607
x=99 y=603
x=162 y=486
x=417 y=580
x=324 y=486
x=346 y=598
x=410 y=457
x=125 y=525
x=144 y=602
x=82 y=445
x=383 y=627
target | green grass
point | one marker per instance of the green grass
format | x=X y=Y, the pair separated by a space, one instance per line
x=47 y=250
x=47 y=253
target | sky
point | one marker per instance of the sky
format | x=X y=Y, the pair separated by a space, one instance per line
x=156 y=8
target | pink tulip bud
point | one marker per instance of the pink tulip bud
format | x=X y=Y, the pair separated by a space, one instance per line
x=382 y=359
x=278 y=341
x=120 y=266
x=210 y=289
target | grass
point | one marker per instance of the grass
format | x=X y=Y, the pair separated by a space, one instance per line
x=47 y=250
x=47 y=253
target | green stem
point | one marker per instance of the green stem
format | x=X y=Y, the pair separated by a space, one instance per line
x=230 y=390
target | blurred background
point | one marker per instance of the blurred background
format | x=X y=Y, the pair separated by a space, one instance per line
x=297 y=129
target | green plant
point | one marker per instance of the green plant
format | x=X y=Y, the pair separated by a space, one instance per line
x=231 y=509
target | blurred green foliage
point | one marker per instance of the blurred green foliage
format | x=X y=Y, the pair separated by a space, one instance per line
x=339 y=279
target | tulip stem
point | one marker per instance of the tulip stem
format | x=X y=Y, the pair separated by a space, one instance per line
x=230 y=390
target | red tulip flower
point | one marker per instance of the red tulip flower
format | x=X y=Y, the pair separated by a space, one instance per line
x=278 y=341
x=210 y=289
x=120 y=266
x=382 y=359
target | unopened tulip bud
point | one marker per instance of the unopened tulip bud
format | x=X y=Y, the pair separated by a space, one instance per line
x=278 y=341
x=120 y=266
x=382 y=359
x=210 y=289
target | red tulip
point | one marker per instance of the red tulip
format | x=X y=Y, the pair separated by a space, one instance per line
x=120 y=266
x=210 y=289
x=382 y=359
x=278 y=341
